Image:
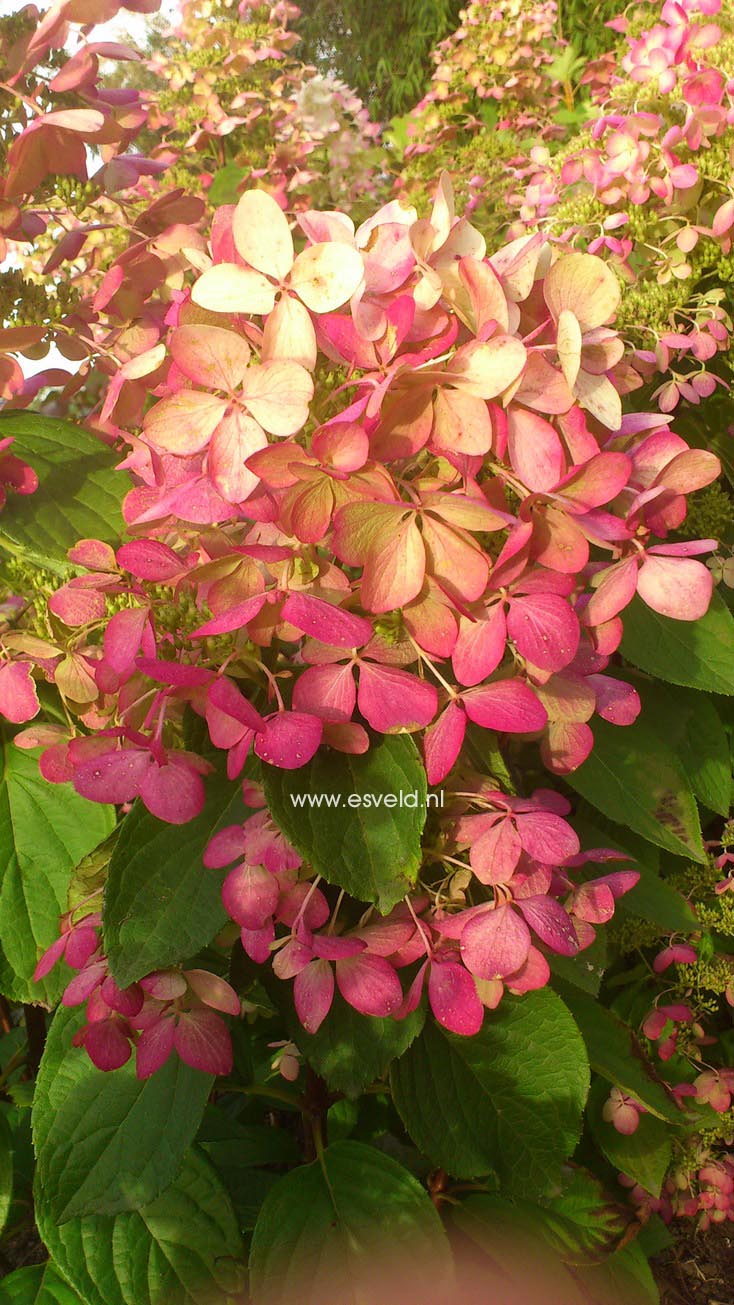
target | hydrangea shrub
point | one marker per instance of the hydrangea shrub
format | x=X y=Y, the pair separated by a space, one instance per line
x=356 y=662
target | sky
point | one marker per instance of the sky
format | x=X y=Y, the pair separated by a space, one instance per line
x=131 y=26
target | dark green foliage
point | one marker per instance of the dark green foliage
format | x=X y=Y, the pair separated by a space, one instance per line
x=387 y=62
x=583 y=25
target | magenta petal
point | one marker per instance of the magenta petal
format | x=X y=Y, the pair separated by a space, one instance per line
x=614 y=592
x=369 y=984
x=225 y=846
x=290 y=739
x=126 y=1001
x=305 y=902
x=148 y=559
x=393 y=700
x=122 y=638
x=213 y=991
x=250 y=895
x=331 y=948
x=154 y=1046
x=480 y=647
x=291 y=958
x=50 y=957
x=496 y=853
x=545 y=629
x=326 y=691
x=202 y=1040
x=106 y=1044
x=173 y=792
x=313 y=993
x=454 y=998
x=508 y=706
x=551 y=923
x=235 y=619
x=594 y=902
x=113 y=776
x=226 y=698
x=495 y=943
x=547 y=837
x=535 y=449
x=533 y=973
x=84 y=983
x=442 y=742
x=326 y=622
x=18 y=698
x=675 y=586
x=164 y=985
x=616 y=701
x=256 y=942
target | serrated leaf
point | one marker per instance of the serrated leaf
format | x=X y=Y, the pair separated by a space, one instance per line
x=580 y=1219
x=184 y=1248
x=41 y=1284
x=508 y=1100
x=45 y=830
x=79 y=493
x=108 y=1142
x=326 y=1229
x=615 y=1053
x=636 y=779
x=371 y=850
x=698 y=654
x=160 y=904
x=644 y=1155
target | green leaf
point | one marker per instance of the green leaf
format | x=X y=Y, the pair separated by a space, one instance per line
x=624 y=1276
x=372 y=850
x=161 y=905
x=699 y=654
x=79 y=492
x=229 y=1143
x=45 y=829
x=615 y=1053
x=581 y=1222
x=225 y=182
x=108 y=1142
x=351 y=1050
x=636 y=779
x=644 y=1155
x=327 y=1228
x=689 y=722
x=508 y=1100
x=184 y=1248
x=41 y=1284
x=652 y=898
x=586 y=970
x=521 y=1265
x=578 y=1221
x=6 y=1170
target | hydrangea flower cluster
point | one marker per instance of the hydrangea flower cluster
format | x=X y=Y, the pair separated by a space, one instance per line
x=647 y=187
x=386 y=486
x=491 y=90
x=233 y=91
x=703 y=1190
